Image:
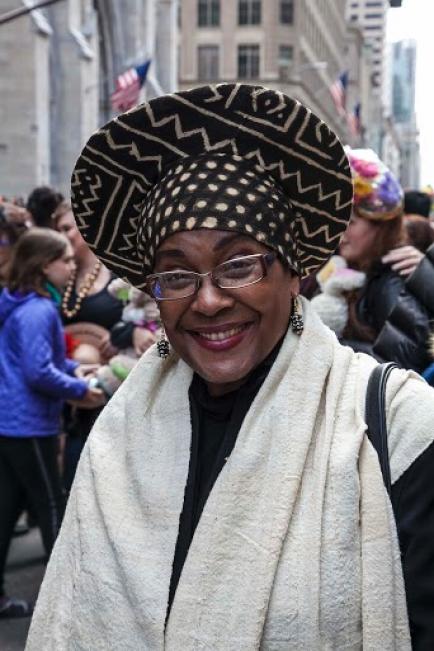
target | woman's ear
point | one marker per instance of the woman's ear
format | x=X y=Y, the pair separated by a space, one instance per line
x=46 y=268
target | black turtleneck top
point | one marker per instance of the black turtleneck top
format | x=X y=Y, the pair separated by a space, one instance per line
x=216 y=422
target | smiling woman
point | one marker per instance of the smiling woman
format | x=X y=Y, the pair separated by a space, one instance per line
x=231 y=318
x=227 y=495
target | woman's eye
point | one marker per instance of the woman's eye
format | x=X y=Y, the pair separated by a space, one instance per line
x=176 y=278
x=239 y=264
x=242 y=263
x=239 y=267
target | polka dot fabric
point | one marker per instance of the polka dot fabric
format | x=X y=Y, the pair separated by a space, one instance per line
x=217 y=192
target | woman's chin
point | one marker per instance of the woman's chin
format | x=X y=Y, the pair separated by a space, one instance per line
x=222 y=378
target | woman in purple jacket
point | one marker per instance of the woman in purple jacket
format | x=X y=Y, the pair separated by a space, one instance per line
x=35 y=379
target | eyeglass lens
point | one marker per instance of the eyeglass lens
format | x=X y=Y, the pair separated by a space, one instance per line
x=231 y=274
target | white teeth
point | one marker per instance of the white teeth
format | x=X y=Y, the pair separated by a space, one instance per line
x=221 y=336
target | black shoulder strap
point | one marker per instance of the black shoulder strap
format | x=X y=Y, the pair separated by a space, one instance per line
x=375 y=415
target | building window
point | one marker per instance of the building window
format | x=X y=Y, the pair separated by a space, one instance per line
x=208 y=62
x=286 y=53
x=248 y=61
x=208 y=13
x=287 y=12
x=249 y=12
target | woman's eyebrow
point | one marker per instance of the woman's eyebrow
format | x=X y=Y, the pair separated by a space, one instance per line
x=227 y=239
x=179 y=253
x=170 y=253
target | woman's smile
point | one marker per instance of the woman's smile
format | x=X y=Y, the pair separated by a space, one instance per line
x=223 y=337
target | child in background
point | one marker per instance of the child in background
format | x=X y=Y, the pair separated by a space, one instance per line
x=140 y=312
x=35 y=379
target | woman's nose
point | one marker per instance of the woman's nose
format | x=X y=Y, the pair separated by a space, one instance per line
x=210 y=299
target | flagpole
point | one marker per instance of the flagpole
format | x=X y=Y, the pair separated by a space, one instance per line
x=23 y=11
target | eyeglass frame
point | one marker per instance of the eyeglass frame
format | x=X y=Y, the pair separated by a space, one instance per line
x=266 y=260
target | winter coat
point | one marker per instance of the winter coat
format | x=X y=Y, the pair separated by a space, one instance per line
x=421 y=281
x=399 y=319
x=404 y=337
x=35 y=376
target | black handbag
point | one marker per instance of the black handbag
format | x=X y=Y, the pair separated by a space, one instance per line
x=375 y=416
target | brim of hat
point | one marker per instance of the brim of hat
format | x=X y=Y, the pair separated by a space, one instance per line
x=126 y=157
x=379 y=215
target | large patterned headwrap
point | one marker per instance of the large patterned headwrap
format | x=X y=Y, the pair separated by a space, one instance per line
x=229 y=157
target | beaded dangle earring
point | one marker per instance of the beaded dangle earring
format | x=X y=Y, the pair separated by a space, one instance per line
x=297 y=323
x=163 y=344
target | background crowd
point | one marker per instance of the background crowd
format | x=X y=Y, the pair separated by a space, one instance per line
x=69 y=335
x=70 y=332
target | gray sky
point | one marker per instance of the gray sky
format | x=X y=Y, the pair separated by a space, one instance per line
x=415 y=19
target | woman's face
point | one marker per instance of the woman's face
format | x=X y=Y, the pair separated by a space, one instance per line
x=66 y=225
x=247 y=321
x=59 y=271
x=358 y=240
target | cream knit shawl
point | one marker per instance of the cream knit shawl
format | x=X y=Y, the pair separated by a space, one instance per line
x=296 y=548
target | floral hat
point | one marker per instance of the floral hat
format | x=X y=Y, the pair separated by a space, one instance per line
x=377 y=193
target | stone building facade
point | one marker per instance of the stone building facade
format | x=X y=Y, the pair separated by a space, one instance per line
x=403 y=92
x=370 y=16
x=380 y=129
x=295 y=46
x=58 y=67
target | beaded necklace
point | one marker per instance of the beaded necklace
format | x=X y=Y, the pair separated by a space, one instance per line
x=84 y=290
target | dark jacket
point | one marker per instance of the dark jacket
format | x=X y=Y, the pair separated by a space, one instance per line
x=35 y=376
x=421 y=282
x=405 y=334
x=399 y=319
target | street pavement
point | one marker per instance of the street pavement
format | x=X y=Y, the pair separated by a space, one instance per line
x=23 y=578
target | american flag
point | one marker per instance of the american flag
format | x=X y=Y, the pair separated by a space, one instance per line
x=338 y=90
x=128 y=85
x=354 y=120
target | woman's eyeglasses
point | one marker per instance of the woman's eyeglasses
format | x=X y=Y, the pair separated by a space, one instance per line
x=233 y=274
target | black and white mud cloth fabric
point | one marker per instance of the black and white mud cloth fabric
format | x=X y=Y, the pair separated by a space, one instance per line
x=199 y=159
